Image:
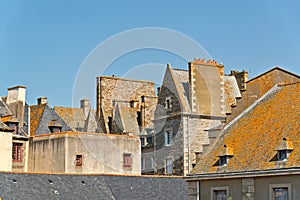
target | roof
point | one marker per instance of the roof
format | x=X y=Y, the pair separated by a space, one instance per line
x=273 y=69
x=4 y=127
x=74 y=117
x=40 y=117
x=4 y=109
x=181 y=78
x=91 y=123
x=255 y=135
x=58 y=186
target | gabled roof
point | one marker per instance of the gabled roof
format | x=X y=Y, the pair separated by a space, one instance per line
x=91 y=123
x=74 y=117
x=41 y=116
x=66 y=186
x=4 y=127
x=274 y=69
x=4 y=109
x=257 y=132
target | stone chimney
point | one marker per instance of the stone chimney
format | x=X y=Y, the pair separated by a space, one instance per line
x=241 y=78
x=42 y=100
x=15 y=101
x=85 y=106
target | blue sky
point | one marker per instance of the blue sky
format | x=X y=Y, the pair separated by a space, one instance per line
x=43 y=44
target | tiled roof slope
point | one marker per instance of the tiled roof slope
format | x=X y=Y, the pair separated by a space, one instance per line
x=43 y=186
x=3 y=108
x=40 y=117
x=257 y=132
x=181 y=78
x=74 y=117
x=4 y=127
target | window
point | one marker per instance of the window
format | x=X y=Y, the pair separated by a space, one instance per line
x=17 y=152
x=142 y=141
x=223 y=161
x=149 y=140
x=168 y=138
x=78 y=160
x=282 y=155
x=168 y=103
x=55 y=129
x=127 y=160
x=280 y=191
x=219 y=193
x=143 y=163
x=169 y=166
x=13 y=126
x=131 y=104
x=152 y=162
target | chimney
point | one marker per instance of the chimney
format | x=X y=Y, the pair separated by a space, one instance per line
x=241 y=78
x=16 y=97
x=42 y=100
x=85 y=106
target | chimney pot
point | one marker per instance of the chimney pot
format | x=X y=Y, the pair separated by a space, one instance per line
x=42 y=100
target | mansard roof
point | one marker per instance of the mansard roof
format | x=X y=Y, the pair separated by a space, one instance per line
x=256 y=133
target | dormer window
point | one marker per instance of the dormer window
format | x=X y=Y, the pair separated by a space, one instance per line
x=284 y=149
x=14 y=126
x=54 y=126
x=131 y=104
x=12 y=122
x=225 y=155
x=168 y=103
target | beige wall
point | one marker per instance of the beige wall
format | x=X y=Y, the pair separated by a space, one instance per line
x=256 y=188
x=6 y=151
x=101 y=153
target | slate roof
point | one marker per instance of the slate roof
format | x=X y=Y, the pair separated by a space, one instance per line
x=256 y=133
x=4 y=127
x=181 y=79
x=40 y=117
x=91 y=123
x=3 y=108
x=43 y=186
x=74 y=117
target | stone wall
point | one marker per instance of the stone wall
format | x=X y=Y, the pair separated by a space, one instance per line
x=6 y=151
x=113 y=90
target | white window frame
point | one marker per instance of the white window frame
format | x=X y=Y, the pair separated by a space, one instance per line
x=152 y=162
x=168 y=138
x=168 y=105
x=281 y=185
x=167 y=164
x=213 y=189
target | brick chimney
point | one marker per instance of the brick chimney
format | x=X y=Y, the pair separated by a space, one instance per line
x=16 y=97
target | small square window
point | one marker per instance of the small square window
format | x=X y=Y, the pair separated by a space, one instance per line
x=280 y=191
x=78 y=160
x=219 y=193
x=127 y=160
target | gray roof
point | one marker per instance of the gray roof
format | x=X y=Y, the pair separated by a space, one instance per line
x=42 y=186
x=3 y=108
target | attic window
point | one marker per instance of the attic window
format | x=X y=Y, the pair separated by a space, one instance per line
x=284 y=149
x=14 y=126
x=54 y=126
x=168 y=103
x=225 y=156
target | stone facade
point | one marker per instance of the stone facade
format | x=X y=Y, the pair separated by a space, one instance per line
x=125 y=103
x=99 y=153
x=190 y=103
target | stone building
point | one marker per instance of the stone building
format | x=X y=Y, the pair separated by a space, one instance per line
x=257 y=154
x=125 y=105
x=14 y=119
x=85 y=153
x=191 y=109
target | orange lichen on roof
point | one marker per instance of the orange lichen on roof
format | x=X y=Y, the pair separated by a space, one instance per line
x=9 y=118
x=74 y=117
x=286 y=144
x=258 y=132
x=207 y=62
x=54 y=123
x=36 y=113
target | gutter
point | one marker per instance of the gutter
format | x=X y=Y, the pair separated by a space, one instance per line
x=244 y=174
